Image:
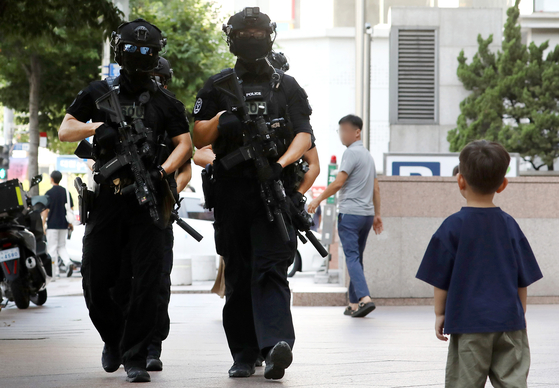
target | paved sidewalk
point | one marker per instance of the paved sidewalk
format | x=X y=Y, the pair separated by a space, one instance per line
x=73 y=287
x=301 y=282
x=57 y=346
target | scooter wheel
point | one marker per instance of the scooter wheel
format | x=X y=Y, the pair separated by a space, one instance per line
x=20 y=294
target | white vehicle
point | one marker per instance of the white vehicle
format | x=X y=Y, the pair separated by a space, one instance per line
x=192 y=211
x=74 y=244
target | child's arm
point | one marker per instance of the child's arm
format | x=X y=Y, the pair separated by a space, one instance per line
x=523 y=294
x=440 y=302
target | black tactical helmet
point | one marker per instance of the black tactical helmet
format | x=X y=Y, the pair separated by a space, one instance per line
x=164 y=71
x=134 y=37
x=250 y=17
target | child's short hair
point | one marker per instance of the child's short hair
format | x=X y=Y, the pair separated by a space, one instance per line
x=484 y=165
x=56 y=176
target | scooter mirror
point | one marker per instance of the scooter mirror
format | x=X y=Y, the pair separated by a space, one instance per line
x=36 y=180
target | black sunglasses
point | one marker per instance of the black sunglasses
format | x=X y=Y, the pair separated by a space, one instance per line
x=130 y=48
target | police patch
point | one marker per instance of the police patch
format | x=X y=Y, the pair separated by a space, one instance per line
x=133 y=111
x=252 y=107
x=198 y=106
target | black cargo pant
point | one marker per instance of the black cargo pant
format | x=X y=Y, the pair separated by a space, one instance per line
x=118 y=223
x=121 y=293
x=257 y=311
x=163 y=296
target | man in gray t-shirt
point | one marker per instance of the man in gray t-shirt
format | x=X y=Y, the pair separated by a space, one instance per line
x=356 y=195
x=359 y=210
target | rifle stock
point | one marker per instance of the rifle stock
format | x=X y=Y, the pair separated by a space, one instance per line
x=84 y=150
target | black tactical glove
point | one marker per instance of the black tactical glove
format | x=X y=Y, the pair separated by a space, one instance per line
x=230 y=127
x=300 y=218
x=106 y=136
x=298 y=200
x=276 y=171
x=156 y=174
x=272 y=173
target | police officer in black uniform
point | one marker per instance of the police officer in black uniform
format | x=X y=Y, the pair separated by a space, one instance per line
x=256 y=317
x=117 y=221
x=163 y=74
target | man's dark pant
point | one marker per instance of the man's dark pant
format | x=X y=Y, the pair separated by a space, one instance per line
x=353 y=231
x=123 y=287
x=257 y=311
x=163 y=297
x=118 y=223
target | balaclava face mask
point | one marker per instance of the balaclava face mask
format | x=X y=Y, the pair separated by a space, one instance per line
x=135 y=71
x=252 y=49
x=138 y=63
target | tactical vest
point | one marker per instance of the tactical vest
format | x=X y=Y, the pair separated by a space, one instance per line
x=132 y=108
x=266 y=94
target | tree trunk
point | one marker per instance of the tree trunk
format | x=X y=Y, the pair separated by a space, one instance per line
x=34 y=77
x=550 y=167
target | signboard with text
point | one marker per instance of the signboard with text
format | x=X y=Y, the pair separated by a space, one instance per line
x=71 y=164
x=401 y=164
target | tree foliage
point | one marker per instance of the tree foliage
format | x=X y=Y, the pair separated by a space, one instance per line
x=514 y=97
x=65 y=38
x=49 y=49
x=195 y=45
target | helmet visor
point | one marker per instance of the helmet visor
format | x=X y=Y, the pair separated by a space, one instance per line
x=245 y=34
x=130 y=48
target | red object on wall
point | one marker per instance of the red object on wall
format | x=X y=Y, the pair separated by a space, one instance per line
x=317 y=190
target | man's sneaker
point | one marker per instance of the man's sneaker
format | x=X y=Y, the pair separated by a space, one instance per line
x=241 y=370
x=154 y=364
x=110 y=359
x=137 y=374
x=278 y=360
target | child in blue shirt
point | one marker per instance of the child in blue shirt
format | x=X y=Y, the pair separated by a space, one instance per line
x=481 y=264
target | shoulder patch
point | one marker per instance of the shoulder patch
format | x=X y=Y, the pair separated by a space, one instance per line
x=197 y=106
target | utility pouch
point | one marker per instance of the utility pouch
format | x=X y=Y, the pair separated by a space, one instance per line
x=208 y=185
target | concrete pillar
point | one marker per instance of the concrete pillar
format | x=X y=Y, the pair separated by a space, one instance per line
x=8 y=126
x=359 y=49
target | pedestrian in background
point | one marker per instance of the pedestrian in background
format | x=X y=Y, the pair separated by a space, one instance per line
x=359 y=210
x=57 y=224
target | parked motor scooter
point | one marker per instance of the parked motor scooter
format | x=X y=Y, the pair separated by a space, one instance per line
x=26 y=265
